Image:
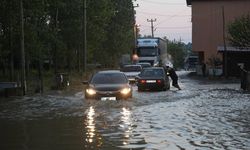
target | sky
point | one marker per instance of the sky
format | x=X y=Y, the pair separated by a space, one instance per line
x=173 y=19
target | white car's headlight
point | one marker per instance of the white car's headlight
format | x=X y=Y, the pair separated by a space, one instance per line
x=126 y=91
x=91 y=91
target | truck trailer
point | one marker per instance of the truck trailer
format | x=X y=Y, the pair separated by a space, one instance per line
x=152 y=50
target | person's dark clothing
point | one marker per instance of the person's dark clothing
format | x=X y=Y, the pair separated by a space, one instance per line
x=173 y=76
x=171 y=72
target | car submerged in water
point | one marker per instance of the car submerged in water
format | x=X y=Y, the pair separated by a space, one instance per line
x=108 y=85
x=153 y=78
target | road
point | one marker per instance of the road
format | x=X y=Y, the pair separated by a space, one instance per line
x=204 y=115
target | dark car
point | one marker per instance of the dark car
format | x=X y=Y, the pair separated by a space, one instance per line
x=108 y=85
x=153 y=78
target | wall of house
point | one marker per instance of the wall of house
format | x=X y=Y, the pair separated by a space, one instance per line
x=207 y=22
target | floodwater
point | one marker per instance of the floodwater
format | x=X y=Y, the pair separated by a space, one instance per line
x=203 y=116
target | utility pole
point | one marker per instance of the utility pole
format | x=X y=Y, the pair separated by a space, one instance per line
x=135 y=25
x=84 y=25
x=11 y=42
x=55 y=50
x=23 y=76
x=224 y=42
x=152 y=25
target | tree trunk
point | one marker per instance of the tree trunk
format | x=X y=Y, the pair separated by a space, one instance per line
x=23 y=80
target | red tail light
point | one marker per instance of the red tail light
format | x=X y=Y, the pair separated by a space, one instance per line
x=143 y=81
x=158 y=81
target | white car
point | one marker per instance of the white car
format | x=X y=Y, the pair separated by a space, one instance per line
x=132 y=71
x=144 y=64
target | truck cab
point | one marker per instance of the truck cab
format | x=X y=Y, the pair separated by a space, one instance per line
x=150 y=50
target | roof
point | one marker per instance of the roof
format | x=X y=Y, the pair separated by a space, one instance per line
x=150 y=68
x=189 y=2
x=110 y=71
x=233 y=49
x=132 y=65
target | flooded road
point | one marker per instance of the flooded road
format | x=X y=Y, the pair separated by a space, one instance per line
x=204 y=115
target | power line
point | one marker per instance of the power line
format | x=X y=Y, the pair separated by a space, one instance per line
x=171 y=17
x=143 y=12
x=161 y=3
x=183 y=27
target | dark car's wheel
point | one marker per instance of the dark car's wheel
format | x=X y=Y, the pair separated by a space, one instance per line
x=128 y=97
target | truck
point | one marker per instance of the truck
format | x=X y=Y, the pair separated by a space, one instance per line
x=152 y=50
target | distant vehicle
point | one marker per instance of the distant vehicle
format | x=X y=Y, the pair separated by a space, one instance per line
x=144 y=64
x=152 y=50
x=131 y=71
x=108 y=85
x=153 y=78
x=191 y=62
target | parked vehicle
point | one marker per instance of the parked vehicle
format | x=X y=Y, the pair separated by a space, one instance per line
x=131 y=71
x=108 y=85
x=152 y=50
x=153 y=78
x=191 y=62
x=144 y=64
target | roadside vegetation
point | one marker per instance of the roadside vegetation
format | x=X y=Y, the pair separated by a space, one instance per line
x=53 y=36
x=239 y=32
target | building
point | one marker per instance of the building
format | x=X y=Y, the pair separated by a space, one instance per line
x=210 y=19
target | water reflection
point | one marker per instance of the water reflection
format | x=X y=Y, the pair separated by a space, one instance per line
x=126 y=124
x=130 y=138
x=90 y=125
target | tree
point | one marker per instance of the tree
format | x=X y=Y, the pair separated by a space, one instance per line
x=53 y=33
x=239 y=31
x=120 y=37
x=177 y=50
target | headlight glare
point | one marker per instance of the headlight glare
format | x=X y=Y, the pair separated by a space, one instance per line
x=125 y=91
x=91 y=91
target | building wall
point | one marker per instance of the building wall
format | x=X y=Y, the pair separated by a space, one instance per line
x=207 y=22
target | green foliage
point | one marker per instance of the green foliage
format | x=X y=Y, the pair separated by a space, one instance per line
x=239 y=31
x=120 y=32
x=53 y=31
x=177 y=50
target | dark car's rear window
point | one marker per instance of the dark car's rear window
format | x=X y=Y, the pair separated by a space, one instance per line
x=152 y=73
x=109 y=78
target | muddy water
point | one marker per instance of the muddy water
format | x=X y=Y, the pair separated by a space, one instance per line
x=203 y=116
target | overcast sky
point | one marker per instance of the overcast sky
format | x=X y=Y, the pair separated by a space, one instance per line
x=173 y=18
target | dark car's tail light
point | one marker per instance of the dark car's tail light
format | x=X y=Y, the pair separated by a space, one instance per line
x=159 y=81
x=142 y=81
